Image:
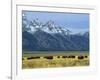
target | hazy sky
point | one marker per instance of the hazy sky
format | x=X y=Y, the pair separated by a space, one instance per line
x=77 y=22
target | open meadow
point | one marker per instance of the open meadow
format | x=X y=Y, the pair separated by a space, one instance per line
x=48 y=59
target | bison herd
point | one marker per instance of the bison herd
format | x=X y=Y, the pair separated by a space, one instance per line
x=33 y=57
x=51 y=57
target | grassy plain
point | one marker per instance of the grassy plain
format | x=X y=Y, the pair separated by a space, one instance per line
x=55 y=62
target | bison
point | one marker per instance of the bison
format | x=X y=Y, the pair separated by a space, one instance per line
x=48 y=57
x=64 y=56
x=33 y=58
x=80 y=57
x=58 y=56
x=23 y=59
x=71 y=56
x=86 y=56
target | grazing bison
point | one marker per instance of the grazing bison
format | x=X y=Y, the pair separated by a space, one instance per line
x=64 y=56
x=71 y=56
x=48 y=57
x=33 y=58
x=80 y=57
x=23 y=59
x=85 y=56
x=58 y=57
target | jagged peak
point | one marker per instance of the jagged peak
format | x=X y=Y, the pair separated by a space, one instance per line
x=49 y=27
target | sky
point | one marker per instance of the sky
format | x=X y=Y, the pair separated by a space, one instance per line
x=76 y=22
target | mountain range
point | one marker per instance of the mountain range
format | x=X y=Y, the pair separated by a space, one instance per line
x=38 y=36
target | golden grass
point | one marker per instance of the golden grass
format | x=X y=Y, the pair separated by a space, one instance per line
x=55 y=62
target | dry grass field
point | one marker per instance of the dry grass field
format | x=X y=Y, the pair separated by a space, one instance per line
x=30 y=61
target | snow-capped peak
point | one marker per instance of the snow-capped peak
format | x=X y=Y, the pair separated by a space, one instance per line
x=49 y=27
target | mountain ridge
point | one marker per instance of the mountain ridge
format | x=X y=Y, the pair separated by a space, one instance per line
x=37 y=36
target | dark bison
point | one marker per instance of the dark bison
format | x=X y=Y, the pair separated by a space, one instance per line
x=64 y=56
x=80 y=57
x=23 y=59
x=86 y=56
x=48 y=57
x=33 y=58
x=71 y=56
x=58 y=56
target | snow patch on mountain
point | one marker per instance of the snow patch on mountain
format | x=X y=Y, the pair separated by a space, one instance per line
x=49 y=27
